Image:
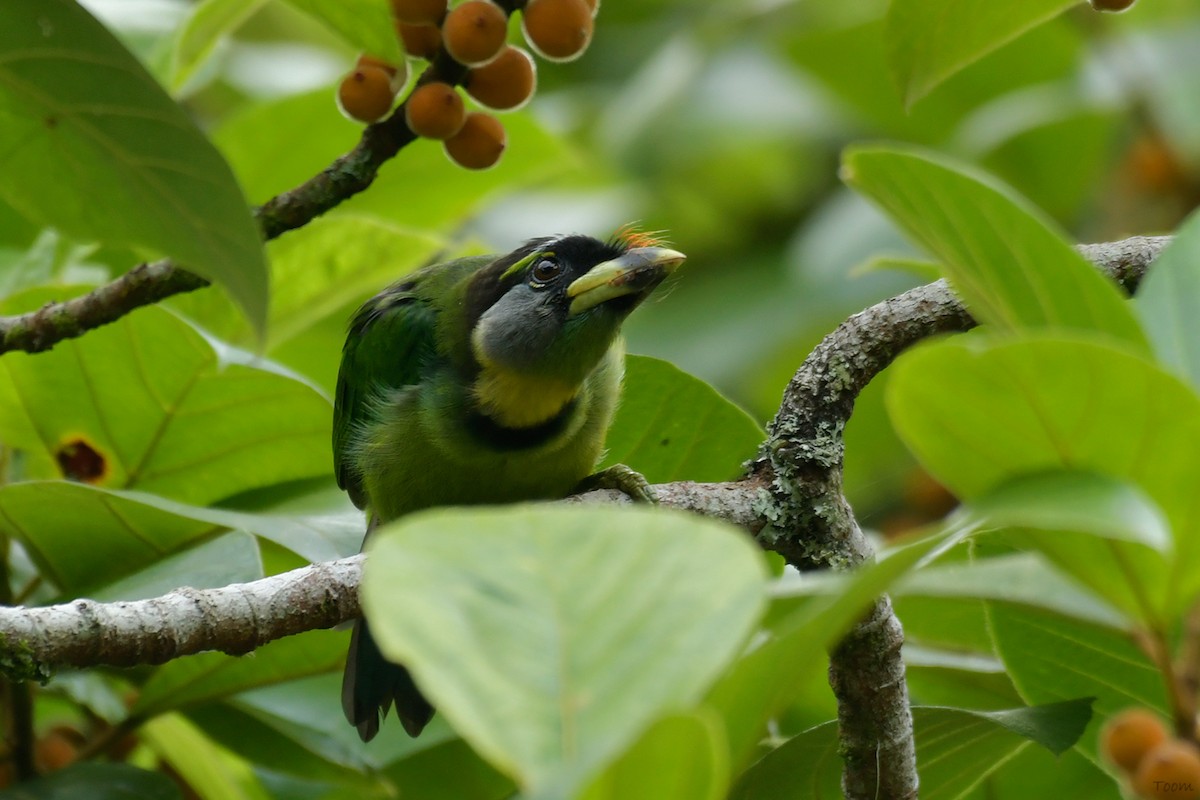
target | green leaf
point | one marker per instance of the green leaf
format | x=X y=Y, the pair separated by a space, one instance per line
x=212 y=676
x=930 y=40
x=83 y=537
x=1099 y=530
x=1008 y=262
x=1055 y=726
x=226 y=560
x=281 y=746
x=1168 y=302
x=1074 y=501
x=449 y=769
x=211 y=771
x=207 y=24
x=671 y=426
x=1050 y=658
x=957 y=749
x=365 y=24
x=551 y=637
x=90 y=144
x=315 y=272
x=679 y=757
x=1022 y=578
x=149 y=403
x=977 y=416
x=765 y=680
x=805 y=767
x=96 y=782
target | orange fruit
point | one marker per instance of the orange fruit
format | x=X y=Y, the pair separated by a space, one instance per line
x=366 y=94
x=559 y=30
x=504 y=83
x=434 y=111
x=479 y=143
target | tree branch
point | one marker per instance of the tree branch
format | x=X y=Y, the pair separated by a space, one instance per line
x=812 y=525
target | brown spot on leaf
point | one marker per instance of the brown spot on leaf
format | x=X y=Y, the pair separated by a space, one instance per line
x=51 y=122
x=79 y=461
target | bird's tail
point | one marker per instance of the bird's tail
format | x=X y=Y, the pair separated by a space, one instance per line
x=371 y=684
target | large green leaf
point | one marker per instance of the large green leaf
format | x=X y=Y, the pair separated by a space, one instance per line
x=679 y=757
x=228 y=559
x=280 y=745
x=315 y=272
x=671 y=426
x=1007 y=261
x=551 y=637
x=1051 y=658
x=213 y=676
x=1021 y=578
x=91 y=144
x=979 y=415
x=930 y=40
x=957 y=749
x=93 y=781
x=1168 y=302
x=84 y=537
x=149 y=403
x=211 y=771
x=449 y=769
x=1099 y=530
x=365 y=24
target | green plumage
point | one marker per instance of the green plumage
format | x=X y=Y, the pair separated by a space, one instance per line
x=481 y=380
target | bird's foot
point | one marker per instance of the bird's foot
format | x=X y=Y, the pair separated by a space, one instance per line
x=623 y=479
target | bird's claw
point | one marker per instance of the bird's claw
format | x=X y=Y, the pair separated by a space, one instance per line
x=622 y=478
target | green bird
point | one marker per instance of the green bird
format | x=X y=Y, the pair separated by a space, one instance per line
x=490 y=379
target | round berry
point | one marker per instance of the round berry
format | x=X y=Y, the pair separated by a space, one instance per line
x=434 y=111
x=480 y=142
x=420 y=41
x=419 y=12
x=559 y=30
x=504 y=83
x=1170 y=771
x=475 y=31
x=366 y=94
x=397 y=74
x=1129 y=735
x=1111 y=5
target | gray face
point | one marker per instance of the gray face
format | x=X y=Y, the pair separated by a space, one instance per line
x=519 y=328
x=529 y=331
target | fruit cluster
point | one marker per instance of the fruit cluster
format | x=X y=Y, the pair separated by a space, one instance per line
x=498 y=76
x=1158 y=765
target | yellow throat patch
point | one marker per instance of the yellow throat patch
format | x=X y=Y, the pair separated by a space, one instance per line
x=520 y=401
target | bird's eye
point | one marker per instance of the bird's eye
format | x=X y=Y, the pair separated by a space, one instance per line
x=545 y=270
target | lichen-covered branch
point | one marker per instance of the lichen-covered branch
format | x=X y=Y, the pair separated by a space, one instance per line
x=810 y=523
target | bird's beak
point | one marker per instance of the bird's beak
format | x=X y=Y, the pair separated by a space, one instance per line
x=635 y=271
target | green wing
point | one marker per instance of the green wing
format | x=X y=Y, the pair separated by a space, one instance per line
x=390 y=338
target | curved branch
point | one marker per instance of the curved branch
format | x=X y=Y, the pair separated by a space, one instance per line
x=237 y=619
x=813 y=526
